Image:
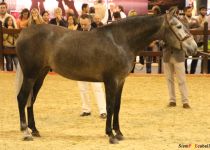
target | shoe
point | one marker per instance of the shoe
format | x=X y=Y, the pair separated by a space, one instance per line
x=172 y=104
x=186 y=106
x=103 y=116
x=83 y=114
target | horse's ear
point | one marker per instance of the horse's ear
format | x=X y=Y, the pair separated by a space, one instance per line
x=172 y=11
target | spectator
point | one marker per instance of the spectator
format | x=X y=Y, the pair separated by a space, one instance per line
x=85 y=8
x=91 y=13
x=187 y=21
x=84 y=86
x=58 y=20
x=35 y=17
x=116 y=16
x=187 y=18
x=46 y=17
x=97 y=21
x=4 y=14
x=121 y=10
x=100 y=10
x=111 y=10
x=202 y=18
x=132 y=12
x=9 y=42
x=22 y=22
x=72 y=25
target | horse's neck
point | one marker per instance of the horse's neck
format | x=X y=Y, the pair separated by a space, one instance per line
x=141 y=31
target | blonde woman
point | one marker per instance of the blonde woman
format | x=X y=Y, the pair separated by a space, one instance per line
x=35 y=17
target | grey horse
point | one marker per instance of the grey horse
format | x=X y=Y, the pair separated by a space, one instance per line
x=104 y=54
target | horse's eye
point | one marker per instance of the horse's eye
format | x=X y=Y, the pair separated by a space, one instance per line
x=179 y=27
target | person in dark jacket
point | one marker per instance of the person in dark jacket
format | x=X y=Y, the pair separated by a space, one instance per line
x=58 y=20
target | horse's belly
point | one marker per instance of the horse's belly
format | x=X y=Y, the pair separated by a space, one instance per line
x=80 y=75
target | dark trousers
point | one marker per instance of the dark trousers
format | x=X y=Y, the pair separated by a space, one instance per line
x=148 y=64
x=9 y=62
x=195 y=61
x=185 y=64
x=208 y=66
x=149 y=61
x=193 y=66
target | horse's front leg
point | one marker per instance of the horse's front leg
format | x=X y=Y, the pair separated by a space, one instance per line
x=110 y=89
x=22 y=100
x=116 y=125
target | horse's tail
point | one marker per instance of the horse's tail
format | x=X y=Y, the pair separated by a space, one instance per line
x=19 y=82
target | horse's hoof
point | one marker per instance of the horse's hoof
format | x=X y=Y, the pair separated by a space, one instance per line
x=36 y=134
x=28 y=138
x=119 y=137
x=113 y=140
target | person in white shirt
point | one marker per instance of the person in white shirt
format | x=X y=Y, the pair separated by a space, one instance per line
x=121 y=10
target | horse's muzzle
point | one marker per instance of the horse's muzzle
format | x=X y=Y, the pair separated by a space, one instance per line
x=190 y=47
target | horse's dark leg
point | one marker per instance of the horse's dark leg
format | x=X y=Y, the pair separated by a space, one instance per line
x=36 y=88
x=22 y=100
x=116 y=125
x=110 y=89
x=31 y=122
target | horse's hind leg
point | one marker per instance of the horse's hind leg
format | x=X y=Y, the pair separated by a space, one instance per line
x=110 y=89
x=22 y=100
x=116 y=125
x=36 y=88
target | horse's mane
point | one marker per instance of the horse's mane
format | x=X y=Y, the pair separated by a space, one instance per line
x=128 y=20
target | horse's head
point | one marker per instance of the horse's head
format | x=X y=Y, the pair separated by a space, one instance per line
x=177 y=35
